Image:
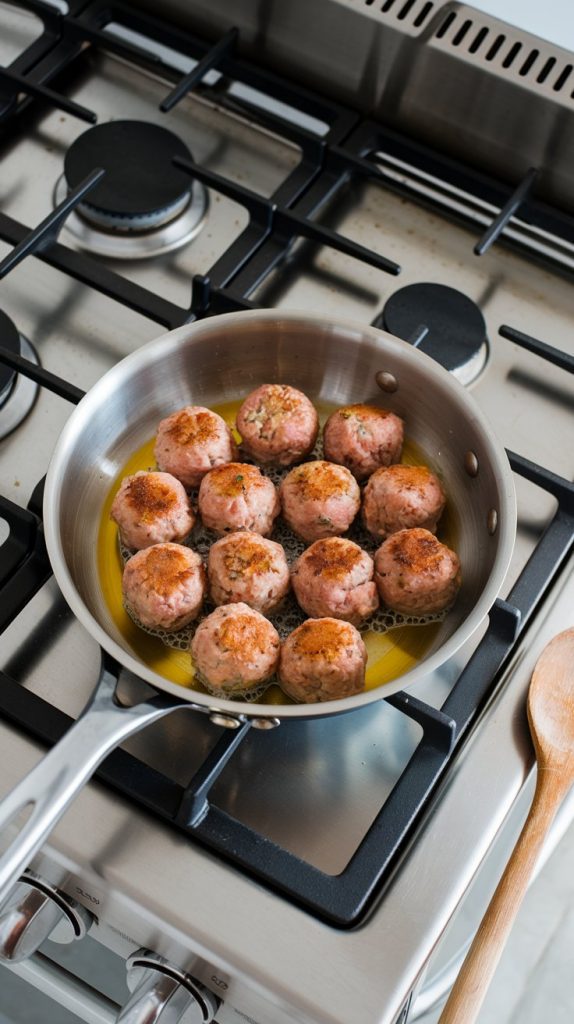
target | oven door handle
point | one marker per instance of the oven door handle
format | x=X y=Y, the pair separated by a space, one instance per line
x=64 y=988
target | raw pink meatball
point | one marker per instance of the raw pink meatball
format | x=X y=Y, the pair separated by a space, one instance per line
x=319 y=499
x=164 y=586
x=151 y=508
x=416 y=574
x=192 y=441
x=363 y=437
x=401 y=497
x=235 y=649
x=334 y=577
x=238 y=497
x=278 y=424
x=323 y=659
x=246 y=567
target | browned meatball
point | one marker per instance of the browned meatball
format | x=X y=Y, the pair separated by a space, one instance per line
x=151 y=508
x=416 y=574
x=235 y=649
x=319 y=499
x=164 y=586
x=238 y=497
x=278 y=424
x=402 y=497
x=323 y=659
x=191 y=441
x=334 y=577
x=362 y=438
x=247 y=567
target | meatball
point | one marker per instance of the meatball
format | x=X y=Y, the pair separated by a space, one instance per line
x=323 y=659
x=416 y=574
x=278 y=424
x=238 y=497
x=151 y=508
x=246 y=567
x=191 y=441
x=164 y=586
x=363 y=437
x=334 y=577
x=319 y=500
x=401 y=497
x=235 y=649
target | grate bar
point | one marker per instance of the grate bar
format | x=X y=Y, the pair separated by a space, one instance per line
x=47 y=232
x=509 y=209
x=24 y=565
x=88 y=271
x=269 y=215
x=25 y=85
x=552 y=355
x=43 y=377
x=222 y=49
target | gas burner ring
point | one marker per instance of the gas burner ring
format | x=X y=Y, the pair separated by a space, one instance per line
x=122 y=244
x=22 y=394
x=133 y=222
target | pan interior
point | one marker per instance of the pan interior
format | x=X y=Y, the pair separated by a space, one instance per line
x=390 y=654
x=216 y=363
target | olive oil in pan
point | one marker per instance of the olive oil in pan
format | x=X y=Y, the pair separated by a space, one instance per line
x=390 y=654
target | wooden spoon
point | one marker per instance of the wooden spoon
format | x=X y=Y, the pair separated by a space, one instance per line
x=551 y=720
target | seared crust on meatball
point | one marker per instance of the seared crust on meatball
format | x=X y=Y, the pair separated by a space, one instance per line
x=235 y=649
x=192 y=441
x=246 y=567
x=164 y=586
x=400 y=498
x=416 y=574
x=362 y=438
x=334 y=577
x=238 y=497
x=278 y=424
x=319 y=499
x=151 y=508
x=323 y=659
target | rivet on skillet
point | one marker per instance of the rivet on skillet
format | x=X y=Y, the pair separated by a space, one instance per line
x=387 y=381
x=471 y=463
x=492 y=521
x=265 y=723
x=226 y=721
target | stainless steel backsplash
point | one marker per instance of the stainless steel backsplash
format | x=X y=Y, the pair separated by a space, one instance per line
x=465 y=82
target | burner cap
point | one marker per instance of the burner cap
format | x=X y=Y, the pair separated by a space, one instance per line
x=456 y=329
x=140 y=180
x=10 y=339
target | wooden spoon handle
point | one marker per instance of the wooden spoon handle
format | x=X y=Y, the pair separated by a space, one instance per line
x=470 y=988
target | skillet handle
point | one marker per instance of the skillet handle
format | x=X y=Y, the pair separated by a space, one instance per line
x=54 y=782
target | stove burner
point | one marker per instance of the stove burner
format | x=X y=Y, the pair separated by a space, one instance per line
x=17 y=393
x=144 y=205
x=141 y=186
x=456 y=329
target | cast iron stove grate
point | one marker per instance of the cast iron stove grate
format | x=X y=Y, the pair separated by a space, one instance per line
x=348 y=147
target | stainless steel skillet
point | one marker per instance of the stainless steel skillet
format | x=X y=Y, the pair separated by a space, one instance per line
x=208 y=363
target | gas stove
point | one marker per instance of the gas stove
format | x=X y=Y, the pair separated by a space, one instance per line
x=159 y=171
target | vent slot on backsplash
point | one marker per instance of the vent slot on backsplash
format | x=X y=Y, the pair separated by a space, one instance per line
x=518 y=56
x=413 y=12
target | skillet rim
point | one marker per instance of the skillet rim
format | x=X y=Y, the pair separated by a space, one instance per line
x=127 y=367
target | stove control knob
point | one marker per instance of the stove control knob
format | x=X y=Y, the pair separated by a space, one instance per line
x=36 y=911
x=164 y=994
